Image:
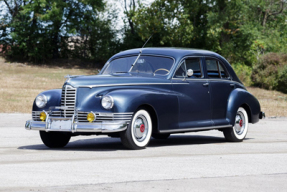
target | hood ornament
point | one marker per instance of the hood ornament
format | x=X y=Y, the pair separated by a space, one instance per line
x=68 y=77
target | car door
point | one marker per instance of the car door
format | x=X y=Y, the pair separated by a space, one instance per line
x=220 y=88
x=193 y=94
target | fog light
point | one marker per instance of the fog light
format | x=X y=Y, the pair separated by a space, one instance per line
x=43 y=116
x=91 y=117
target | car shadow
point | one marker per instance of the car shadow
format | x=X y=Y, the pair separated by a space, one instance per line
x=114 y=144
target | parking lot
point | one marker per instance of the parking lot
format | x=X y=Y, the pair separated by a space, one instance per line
x=200 y=161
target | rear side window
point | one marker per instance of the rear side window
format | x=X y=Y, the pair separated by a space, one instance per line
x=215 y=69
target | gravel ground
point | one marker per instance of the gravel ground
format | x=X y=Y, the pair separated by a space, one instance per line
x=200 y=161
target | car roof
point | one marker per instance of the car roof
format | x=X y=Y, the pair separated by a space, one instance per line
x=168 y=51
x=177 y=54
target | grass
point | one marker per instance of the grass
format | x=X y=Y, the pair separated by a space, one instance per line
x=273 y=103
x=21 y=83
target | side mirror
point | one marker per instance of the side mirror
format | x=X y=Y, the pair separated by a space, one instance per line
x=189 y=72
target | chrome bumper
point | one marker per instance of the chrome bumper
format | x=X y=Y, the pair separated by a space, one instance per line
x=97 y=127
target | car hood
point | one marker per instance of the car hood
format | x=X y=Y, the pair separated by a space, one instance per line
x=106 y=80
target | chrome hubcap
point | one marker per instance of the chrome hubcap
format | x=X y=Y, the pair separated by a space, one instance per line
x=140 y=128
x=239 y=123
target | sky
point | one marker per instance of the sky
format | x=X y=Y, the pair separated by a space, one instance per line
x=120 y=5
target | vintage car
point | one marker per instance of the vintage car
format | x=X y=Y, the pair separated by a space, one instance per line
x=144 y=93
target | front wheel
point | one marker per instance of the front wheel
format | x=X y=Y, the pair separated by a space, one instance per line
x=239 y=131
x=55 y=139
x=138 y=133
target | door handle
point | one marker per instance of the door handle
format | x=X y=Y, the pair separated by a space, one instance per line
x=205 y=84
x=232 y=85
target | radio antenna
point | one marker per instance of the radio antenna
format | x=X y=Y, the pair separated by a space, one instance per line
x=139 y=54
x=146 y=41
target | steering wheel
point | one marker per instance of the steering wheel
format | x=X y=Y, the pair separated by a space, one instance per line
x=160 y=69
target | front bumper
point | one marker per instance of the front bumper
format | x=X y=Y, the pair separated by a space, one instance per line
x=96 y=127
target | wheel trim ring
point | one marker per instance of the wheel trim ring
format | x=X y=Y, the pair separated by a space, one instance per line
x=139 y=135
x=240 y=124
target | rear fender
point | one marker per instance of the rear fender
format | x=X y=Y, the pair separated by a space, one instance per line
x=242 y=98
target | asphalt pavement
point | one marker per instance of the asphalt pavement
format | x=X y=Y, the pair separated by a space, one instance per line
x=200 y=161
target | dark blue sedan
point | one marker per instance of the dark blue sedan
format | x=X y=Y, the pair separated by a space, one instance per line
x=144 y=93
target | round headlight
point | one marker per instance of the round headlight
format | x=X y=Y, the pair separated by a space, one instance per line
x=41 y=101
x=107 y=102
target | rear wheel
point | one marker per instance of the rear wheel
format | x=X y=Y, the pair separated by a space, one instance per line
x=239 y=131
x=55 y=139
x=138 y=133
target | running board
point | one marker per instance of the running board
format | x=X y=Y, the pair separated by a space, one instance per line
x=194 y=129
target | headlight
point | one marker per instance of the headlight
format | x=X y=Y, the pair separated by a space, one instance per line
x=107 y=102
x=41 y=101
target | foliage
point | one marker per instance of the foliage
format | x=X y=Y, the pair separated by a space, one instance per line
x=271 y=72
x=41 y=30
x=168 y=21
x=243 y=72
x=240 y=30
x=243 y=31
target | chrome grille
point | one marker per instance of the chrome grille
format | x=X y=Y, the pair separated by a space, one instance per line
x=36 y=115
x=68 y=101
x=100 y=117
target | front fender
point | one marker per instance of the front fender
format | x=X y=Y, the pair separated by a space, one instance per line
x=240 y=97
x=126 y=99
x=53 y=97
x=164 y=103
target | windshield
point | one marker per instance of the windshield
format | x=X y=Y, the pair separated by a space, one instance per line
x=145 y=64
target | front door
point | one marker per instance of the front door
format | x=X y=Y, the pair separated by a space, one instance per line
x=193 y=94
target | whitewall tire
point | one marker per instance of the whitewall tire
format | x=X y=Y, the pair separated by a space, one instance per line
x=239 y=131
x=138 y=133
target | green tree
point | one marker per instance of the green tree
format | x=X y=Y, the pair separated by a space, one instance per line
x=40 y=30
x=240 y=30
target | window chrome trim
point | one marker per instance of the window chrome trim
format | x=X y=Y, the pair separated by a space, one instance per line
x=133 y=55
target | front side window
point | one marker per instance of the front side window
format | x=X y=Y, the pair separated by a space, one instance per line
x=190 y=63
x=215 y=69
x=153 y=65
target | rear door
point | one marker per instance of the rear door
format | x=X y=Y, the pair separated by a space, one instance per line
x=220 y=89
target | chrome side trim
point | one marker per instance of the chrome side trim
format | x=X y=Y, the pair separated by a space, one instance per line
x=206 y=79
x=81 y=116
x=128 y=84
x=194 y=129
